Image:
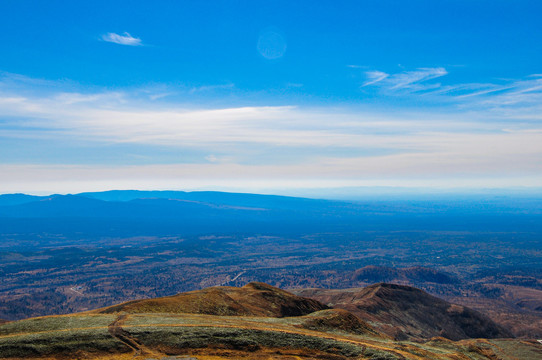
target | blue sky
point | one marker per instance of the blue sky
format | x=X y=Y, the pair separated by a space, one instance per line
x=269 y=95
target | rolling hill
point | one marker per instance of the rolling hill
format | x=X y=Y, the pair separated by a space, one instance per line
x=415 y=274
x=256 y=321
x=404 y=312
x=253 y=299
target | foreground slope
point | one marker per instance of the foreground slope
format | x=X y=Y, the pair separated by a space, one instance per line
x=406 y=312
x=159 y=328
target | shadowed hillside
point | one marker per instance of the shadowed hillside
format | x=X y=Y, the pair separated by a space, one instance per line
x=375 y=274
x=406 y=312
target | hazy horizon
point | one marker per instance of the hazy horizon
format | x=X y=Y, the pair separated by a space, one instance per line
x=349 y=194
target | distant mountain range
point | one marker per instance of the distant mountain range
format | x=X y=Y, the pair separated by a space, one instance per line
x=130 y=212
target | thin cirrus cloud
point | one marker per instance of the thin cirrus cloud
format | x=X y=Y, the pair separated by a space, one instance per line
x=516 y=95
x=247 y=144
x=414 y=80
x=374 y=77
x=124 y=39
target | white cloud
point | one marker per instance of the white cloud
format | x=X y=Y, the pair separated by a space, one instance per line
x=331 y=145
x=294 y=85
x=513 y=98
x=407 y=80
x=124 y=39
x=101 y=118
x=206 y=88
x=507 y=95
x=353 y=66
x=374 y=76
x=160 y=95
x=211 y=158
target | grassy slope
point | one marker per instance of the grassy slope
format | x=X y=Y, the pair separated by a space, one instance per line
x=406 y=312
x=227 y=322
x=226 y=337
x=253 y=299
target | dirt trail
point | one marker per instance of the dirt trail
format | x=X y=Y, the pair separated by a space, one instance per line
x=116 y=330
x=139 y=350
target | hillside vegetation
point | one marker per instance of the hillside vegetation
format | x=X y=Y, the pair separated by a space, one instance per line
x=253 y=299
x=256 y=321
x=404 y=312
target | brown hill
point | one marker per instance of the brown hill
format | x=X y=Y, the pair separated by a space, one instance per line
x=337 y=319
x=415 y=274
x=406 y=312
x=186 y=326
x=253 y=299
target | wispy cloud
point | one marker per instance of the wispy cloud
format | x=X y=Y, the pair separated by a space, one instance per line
x=516 y=95
x=374 y=76
x=353 y=66
x=520 y=98
x=284 y=143
x=205 y=88
x=162 y=95
x=409 y=80
x=124 y=39
x=294 y=85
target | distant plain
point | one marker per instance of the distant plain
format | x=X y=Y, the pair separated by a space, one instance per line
x=63 y=254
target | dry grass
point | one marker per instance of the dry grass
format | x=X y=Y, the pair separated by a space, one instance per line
x=125 y=332
x=253 y=299
x=170 y=334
